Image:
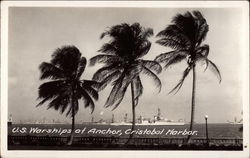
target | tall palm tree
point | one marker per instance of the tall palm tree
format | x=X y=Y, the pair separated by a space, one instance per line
x=66 y=87
x=184 y=36
x=123 y=65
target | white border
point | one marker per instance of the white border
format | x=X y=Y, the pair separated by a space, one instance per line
x=124 y=154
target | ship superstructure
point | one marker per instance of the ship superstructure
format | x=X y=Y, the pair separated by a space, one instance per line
x=156 y=120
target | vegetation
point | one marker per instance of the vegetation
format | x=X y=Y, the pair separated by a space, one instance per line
x=185 y=36
x=123 y=63
x=66 y=87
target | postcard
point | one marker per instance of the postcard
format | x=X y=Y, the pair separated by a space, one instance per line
x=124 y=79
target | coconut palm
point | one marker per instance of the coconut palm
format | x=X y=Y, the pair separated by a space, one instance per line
x=185 y=36
x=123 y=65
x=66 y=87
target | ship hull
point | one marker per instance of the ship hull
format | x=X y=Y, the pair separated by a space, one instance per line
x=235 y=123
x=151 y=124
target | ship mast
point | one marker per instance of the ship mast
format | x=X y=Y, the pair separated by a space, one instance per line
x=113 y=118
x=10 y=120
x=126 y=117
x=159 y=114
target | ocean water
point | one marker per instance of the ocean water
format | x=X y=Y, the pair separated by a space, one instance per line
x=160 y=131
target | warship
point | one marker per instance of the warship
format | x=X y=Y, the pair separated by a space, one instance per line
x=156 y=120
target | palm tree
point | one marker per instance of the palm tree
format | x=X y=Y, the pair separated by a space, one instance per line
x=184 y=36
x=66 y=87
x=123 y=65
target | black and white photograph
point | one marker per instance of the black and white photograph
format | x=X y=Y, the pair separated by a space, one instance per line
x=142 y=78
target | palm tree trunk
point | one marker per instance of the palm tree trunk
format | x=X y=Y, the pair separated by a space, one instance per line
x=133 y=114
x=73 y=122
x=193 y=104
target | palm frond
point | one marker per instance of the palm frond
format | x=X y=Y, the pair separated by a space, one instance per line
x=175 y=33
x=88 y=102
x=91 y=91
x=108 y=48
x=138 y=89
x=70 y=110
x=53 y=89
x=50 y=71
x=43 y=101
x=129 y=43
x=81 y=67
x=66 y=66
x=118 y=91
x=76 y=104
x=55 y=103
x=133 y=70
x=117 y=84
x=172 y=43
x=198 y=15
x=187 y=24
x=136 y=29
x=200 y=58
x=203 y=27
x=201 y=36
x=64 y=103
x=152 y=65
x=155 y=78
x=202 y=54
x=171 y=58
x=143 y=49
x=60 y=102
x=117 y=30
x=127 y=40
x=174 y=60
x=120 y=86
x=180 y=83
x=101 y=73
x=92 y=83
x=214 y=69
x=104 y=58
x=183 y=20
x=187 y=31
x=171 y=30
x=203 y=50
x=104 y=34
x=206 y=65
x=162 y=57
x=67 y=58
x=109 y=78
x=146 y=33
x=120 y=94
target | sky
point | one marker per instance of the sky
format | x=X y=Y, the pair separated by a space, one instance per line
x=34 y=33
